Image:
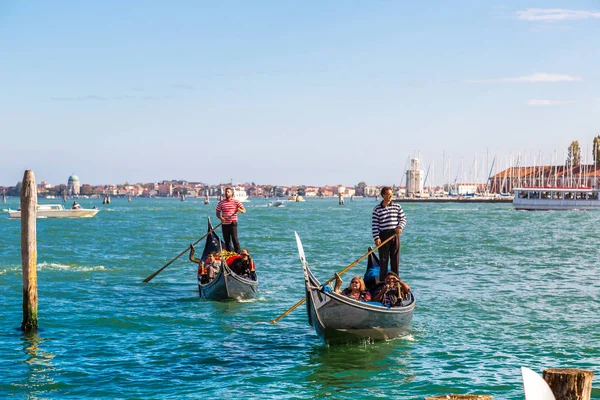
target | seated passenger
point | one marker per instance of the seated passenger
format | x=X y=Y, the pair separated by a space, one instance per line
x=244 y=266
x=75 y=206
x=357 y=289
x=392 y=292
x=207 y=270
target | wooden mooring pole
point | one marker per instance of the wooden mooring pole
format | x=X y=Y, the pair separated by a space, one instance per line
x=29 y=252
x=461 y=397
x=569 y=383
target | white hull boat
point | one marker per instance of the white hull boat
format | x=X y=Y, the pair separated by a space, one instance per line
x=239 y=193
x=541 y=198
x=57 y=211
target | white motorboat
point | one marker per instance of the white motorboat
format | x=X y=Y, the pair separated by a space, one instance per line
x=57 y=211
x=239 y=193
x=565 y=198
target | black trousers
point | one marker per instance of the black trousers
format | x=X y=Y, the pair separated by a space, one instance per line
x=389 y=252
x=230 y=233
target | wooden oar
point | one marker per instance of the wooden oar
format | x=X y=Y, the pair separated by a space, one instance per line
x=148 y=279
x=332 y=279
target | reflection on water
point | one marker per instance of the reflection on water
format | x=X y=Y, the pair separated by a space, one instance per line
x=40 y=371
x=346 y=368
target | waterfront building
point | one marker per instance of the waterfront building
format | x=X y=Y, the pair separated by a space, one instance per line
x=414 y=179
x=165 y=189
x=73 y=185
x=371 y=191
x=311 y=191
x=545 y=176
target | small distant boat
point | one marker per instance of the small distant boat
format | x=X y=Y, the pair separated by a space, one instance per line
x=57 y=211
x=340 y=319
x=565 y=198
x=277 y=203
x=296 y=198
x=226 y=285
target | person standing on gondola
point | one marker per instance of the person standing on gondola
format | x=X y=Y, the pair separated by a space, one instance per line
x=388 y=220
x=227 y=211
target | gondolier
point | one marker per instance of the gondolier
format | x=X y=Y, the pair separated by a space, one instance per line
x=388 y=220
x=227 y=211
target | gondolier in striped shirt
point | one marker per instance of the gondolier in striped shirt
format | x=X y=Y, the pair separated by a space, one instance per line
x=227 y=211
x=388 y=219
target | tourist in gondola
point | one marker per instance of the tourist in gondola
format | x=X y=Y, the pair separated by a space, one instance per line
x=227 y=211
x=392 y=292
x=244 y=266
x=356 y=290
x=207 y=270
x=388 y=220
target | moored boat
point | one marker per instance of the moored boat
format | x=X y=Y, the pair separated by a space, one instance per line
x=339 y=319
x=57 y=211
x=556 y=198
x=226 y=285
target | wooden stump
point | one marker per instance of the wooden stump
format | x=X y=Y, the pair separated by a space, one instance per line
x=29 y=252
x=569 y=383
x=461 y=397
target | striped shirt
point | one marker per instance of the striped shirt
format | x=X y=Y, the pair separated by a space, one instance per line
x=228 y=208
x=384 y=218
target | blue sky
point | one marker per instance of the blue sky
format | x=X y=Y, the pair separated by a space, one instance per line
x=292 y=92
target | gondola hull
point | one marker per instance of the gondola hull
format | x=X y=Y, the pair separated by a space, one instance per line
x=226 y=285
x=340 y=319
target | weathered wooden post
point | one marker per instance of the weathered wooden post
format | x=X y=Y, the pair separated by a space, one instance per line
x=461 y=397
x=29 y=252
x=569 y=383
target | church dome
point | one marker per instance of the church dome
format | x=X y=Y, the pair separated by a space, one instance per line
x=73 y=178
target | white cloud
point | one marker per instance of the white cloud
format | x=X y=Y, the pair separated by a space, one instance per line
x=535 y=78
x=536 y=102
x=555 y=14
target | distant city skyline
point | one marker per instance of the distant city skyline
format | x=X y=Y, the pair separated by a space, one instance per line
x=304 y=93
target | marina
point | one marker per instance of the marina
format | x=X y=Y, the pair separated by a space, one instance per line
x=487 y=304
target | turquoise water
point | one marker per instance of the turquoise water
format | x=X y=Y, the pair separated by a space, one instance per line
x=496 y=289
